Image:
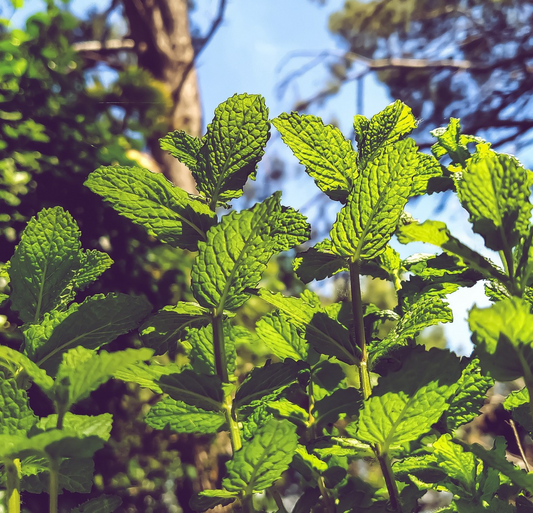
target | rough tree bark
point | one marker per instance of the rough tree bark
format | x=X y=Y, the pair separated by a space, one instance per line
x=160 y=29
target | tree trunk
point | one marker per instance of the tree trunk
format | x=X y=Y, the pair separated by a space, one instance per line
x=160 y=29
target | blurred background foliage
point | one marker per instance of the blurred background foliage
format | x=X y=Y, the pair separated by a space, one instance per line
x=59 y=120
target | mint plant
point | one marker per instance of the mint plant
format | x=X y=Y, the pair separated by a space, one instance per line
x=337 y=390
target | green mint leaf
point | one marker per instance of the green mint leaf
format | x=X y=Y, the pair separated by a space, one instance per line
x=428 y=169
x=56 y=443
x=327 y=335
x=234 y=256
x=16 y=416
x=202 y=353
x=503 y=336
x=232 y=147
x=283 y=408
x=327 y=377
x=207 y=499
x=327 y=156
x=341 y=446
x=262 y=460
x=267 y=382
x=81 y=425
x=75 y=475
x=95 y=322
x=81 y=371
x=407 y=403
x=341 y=403
x=254 y=416
x=44 y=263
x=184 y=418
x=365 y=225
x=290 y=230
x=459 y=466
x=15 y=362
x=197 y=390
x=495 y=191
x=471 y=394
x=496 y=459
x=281 y=336
x=146 y=376
x=385 y=128
x=308 y=465
x=102 y=504
x=183 y=146
x=148 y=199
x=318 y=263
x=427 y=311
x=516 y=399
x=168 y=325
x=93 y=264
x=450 y=141
x=437 y=233
x=360 y=126
x=423 y=467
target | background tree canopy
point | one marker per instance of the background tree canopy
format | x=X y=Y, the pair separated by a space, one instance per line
x=461 y=58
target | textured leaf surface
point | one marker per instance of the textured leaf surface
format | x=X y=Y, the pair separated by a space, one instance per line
x=75 y=475
x=495 y=191
x=234 y=256
x=495 y=458
x=405 y=404
x=503 y=336
x=81 y=371
x=262 y=460
x=232 y=147
x=428 y=168
x=148 y=199
x=427 y=311
x=471 y=395
x=291 y=229
x=202 y=351
x=318 y=263
x=341 y=402
x=436 y=233
x=327 y=335
x=146 y=375
x=365 y=225
x=385 y=128
x=168 y=325
x=102 y=504
x=267 y=380
x=95 y=322
x=457 y=464
x=14 y=361
x=16 y=416
x=207 y=499
x=44 y=263
x=327 y=156
x=281 y=336
x=197 y=390
x=82 y=425
x=183 y=146
x=450 y=141
x=93 y=264
x=183 y=418
x=56 y=443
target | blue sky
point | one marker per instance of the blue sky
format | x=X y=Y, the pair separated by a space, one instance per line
x=245 y=56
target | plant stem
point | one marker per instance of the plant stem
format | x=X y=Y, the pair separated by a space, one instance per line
x=54 y=485
x=388 y=475
x=234 y=431
x=328 y=501
x=359 y=327
x=519 y=443
x=221 y=364
x=12 y=484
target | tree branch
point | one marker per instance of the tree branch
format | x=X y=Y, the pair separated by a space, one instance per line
x=109 y=46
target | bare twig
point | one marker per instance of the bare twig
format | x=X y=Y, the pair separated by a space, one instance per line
x=519 y=443
x=111 y=45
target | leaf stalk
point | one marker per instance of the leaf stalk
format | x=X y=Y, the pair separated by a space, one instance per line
x=13 y=484
x=359 y=327
x=54 y=484
x=390 y=482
